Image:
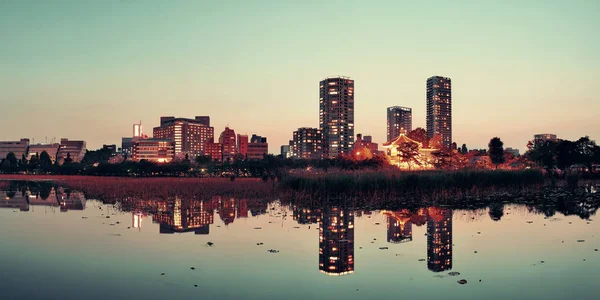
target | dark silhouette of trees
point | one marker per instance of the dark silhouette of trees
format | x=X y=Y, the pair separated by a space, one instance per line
x=463 y=149
x=496 y=151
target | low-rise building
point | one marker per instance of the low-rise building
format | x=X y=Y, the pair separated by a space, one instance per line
x=19 y=148
x=155 y=150
x=307 y=143
x=257 y=148
x=513 y=151
x=75 y=149
x=51 y=149
x=213 y=150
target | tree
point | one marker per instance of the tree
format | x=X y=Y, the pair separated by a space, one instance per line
x=464 y=149
x=419 y=135
x=436 y=142
x=12 y=160
x=45 y=161
x=496 y=151
x=408 y=152
x=68 y=160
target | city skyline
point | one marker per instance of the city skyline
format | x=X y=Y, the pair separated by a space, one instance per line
x=179 y=66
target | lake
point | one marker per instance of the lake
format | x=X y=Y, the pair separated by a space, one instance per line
x=57 y=243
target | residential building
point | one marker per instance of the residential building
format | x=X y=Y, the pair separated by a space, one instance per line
x=257 y=148
x=189 y=135
x=366 y=142
x=307 y=143
x=227 y=141
x=154 y=150
x=399 y=120
x=19 y=148
x=439 y=239
x=214 y=151
x=76 y=149
x=242 y=144
x=127 y=146
x=51 y=149
x=439 y=108
x=399 y=226
x=336 y=241
x=336 y=115
x=285 y=151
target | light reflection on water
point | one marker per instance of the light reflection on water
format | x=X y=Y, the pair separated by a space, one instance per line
x=65 y=245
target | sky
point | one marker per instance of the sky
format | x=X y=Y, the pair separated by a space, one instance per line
x=90 y=69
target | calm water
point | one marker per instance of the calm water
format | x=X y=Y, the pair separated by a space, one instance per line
x=58 y=245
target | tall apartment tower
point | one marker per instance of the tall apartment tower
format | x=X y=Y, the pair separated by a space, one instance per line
x=228 y=143
x=399 y=120
x=336 y=115
x=439 y=108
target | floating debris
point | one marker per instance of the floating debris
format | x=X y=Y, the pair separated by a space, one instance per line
x=376 y=223
x=192 y=268
x=162 y=274
x=596 y=250
x=529 y=222
x=273 y=251
x=84 y=217
x=296 y=227
x=210 y=244
x=438 y=276
x=478 y=232
x=421 y=259
x=195 y=285
x=257 y=228
x=383 y=248
x=259 y=244
x=374 y=239
x=118 y=222
x=462 y=281
x=475 y=251
x=453 y=273
x=581 y=241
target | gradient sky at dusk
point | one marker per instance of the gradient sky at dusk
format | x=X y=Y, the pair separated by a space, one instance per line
x=90 y=69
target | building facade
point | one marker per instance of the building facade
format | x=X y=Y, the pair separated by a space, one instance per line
x=439 y=108
x=75 y=149
x=51 y=149
x=399 y=120
x=19 y=148
x=439 y=239
x=544 y=137
x=366 y=142
x=285 y=151
x=242 y=145
x=228 y=144
x=214 y=151
x=154 y=150
x=336 y=115
x=336 y=241
x=307 y=143
x=189 y=135
x=257 y=148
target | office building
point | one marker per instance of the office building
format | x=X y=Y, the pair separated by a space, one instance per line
x=399 y=120
x=51 y=149
x=336 y=241
x=228 y=144
x=257 y=148
x=336 y=115
x=19 y=148
x=214 y=151
x=242 y=145
x=439 y=108
x=189 y=135
x=75 y=149
x=155 y=150
x=285 y=151
x=307 y=143
x=366 y=142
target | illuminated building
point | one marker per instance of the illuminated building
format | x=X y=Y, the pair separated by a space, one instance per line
x=177 y=215
x=51 y=149
x=71 y=201
x=307 y=215
x=242 y=208
x=43 y=197
x=155 y=150
x=336 y=241
x=138 y=131
x=136 y=220
x=257 y=148
x=399 y=120
x=399 y=227
x=307 y=143
x=439 y=108
x=213 y=150
x=227 y=211
x=336 y=115
x=127 y=146
x=422 y=158
x=439 y=239
x=189 y=135
x=76 y=149
x=228 y=145
x=19 y=148
x=285 y=151
x=242 y=145
x=364 y=148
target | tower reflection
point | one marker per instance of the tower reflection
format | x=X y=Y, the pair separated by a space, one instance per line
x=439 y=239
x=336 y=241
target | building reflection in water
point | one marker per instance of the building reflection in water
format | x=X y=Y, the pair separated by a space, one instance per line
x=336 y=241
x=399 y=226
x=177 y=215
x=14 y=199
x=70 y=200
x=439 y=239
x=307 y=215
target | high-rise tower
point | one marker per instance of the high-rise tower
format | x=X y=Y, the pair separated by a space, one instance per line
x=336 y=115
x=439 y=108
